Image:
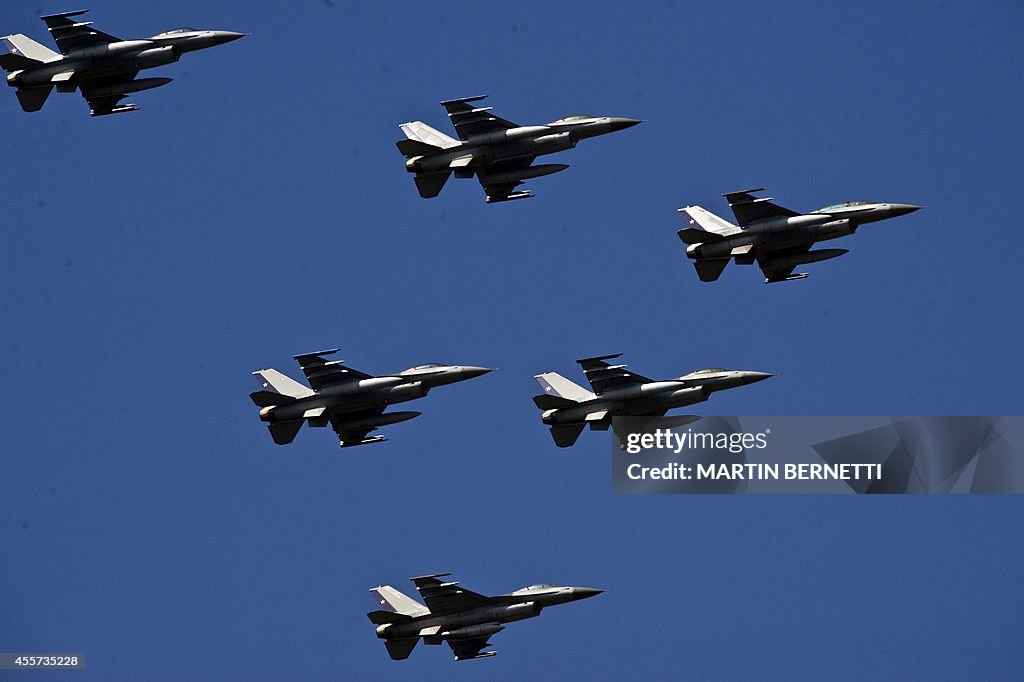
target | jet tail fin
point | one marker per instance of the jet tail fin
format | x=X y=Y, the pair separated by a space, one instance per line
x=399 y=649
x=394 y=601
x=274 y=382
x=23 y=46
x=33 y=99
x=431 y=184
x=556 y=385
x=285 y=432
x=703 y=219
x=421 y=132
x=565 y=436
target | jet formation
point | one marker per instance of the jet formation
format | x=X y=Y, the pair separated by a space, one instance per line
x=568 y=407
x=777 y=238
x=102 y=67
x=455 y=616
x=352 y=402
x=498 y=152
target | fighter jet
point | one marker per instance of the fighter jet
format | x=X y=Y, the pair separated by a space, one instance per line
x=777 y=238
x=351 y=401
x=453 y=615
x=101 y=66
x=497 y=151
x=568 y=407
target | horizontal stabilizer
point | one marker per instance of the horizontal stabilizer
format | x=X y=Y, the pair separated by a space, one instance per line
x=552 y=402
x=385 y=617
x=710 y=270
x=411 y=148
x=32 y=99
x=431 y=184
x=285 y=432
x=269 y=398
x=16 y=62
x=399 y=649
x=694 y=235
x=565 y=436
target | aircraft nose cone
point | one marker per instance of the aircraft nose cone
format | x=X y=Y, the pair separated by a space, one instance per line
x=754 y=377
x=623 y=123
x=474 y=372
x=221 y=37
x=903 y=209
x=584 y=592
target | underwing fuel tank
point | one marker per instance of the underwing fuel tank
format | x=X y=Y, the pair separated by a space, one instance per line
x=136 y=85
x=809 y=257
x=526 y=173
x=474 y=631
x=380 y=420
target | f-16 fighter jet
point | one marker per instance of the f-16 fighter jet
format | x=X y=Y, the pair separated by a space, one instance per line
x=497 y=151
x=777 y=238
x=455 y=616
x=351 y=401
x=568 y=407
x=101 y=66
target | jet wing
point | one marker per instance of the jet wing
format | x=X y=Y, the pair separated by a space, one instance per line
x=470 y=120
x=749 y=208
x=320 y=372
x=768 y=262
x=604 y=377
x=349 y=436
x=448 y=597
x=72 y=35
x=503 y=190
x=104 y=104
x=469 y=648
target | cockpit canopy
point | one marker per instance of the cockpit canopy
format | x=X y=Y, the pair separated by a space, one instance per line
x=574 y=118
x=710 y=370
x=845 y=204
x=539 y=586
x=183 y=29
x=429 y=365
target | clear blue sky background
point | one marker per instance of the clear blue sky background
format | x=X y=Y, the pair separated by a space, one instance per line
x=257 y=208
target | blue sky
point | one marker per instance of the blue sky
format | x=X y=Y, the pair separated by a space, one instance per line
x=257 y=208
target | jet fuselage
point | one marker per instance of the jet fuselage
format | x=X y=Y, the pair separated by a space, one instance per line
x=518 y=143
x=654 y=397
x=486 y=620
x=121 y=57
x=783 y=233
x=360 y=394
